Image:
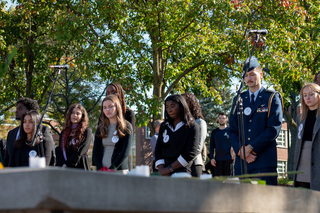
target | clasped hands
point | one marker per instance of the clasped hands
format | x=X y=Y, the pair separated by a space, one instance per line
x=251 y=156
x=163 y=171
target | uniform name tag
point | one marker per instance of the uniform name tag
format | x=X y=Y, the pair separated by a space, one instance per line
x=262 y=109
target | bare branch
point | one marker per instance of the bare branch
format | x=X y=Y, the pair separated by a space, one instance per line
x=52 y=127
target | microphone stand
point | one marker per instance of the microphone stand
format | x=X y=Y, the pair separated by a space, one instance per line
x=239 y=105
x=39 y=125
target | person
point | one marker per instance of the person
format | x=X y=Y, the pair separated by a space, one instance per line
x=195 y=110
x=3 y=145
x=262 y=120
x=178 y=139
x=23 y=105
x=116 y=89
x=113 y=137
x=75 y=139
x=220 y=148
x=23 y=147
x=153 y=141
x=306 y=157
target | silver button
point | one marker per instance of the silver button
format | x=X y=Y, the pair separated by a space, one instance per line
x=249 y=130
x=250 y=121
x=249 y=139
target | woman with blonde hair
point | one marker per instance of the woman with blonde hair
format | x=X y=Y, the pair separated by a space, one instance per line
x=113 y=137
x=307 y=151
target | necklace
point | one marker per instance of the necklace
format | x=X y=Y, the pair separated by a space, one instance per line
x=28 y=142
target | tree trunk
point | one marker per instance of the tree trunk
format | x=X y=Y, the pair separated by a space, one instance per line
x=158 y=72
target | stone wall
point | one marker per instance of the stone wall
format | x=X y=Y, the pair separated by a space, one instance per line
x=71 y=190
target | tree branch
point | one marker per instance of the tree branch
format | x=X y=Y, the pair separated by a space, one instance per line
x=52 y=127
x=181 y=76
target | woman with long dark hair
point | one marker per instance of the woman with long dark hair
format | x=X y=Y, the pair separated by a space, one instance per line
x=75 y=139
x=196 y=112
x=23 y=147
x=113 y=137
x=178 y=139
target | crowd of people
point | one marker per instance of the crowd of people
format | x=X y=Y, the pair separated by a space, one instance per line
x=246 y=146
x=112 y=139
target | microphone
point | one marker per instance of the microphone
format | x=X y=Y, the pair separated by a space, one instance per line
x=262 y=32
x=65 y=66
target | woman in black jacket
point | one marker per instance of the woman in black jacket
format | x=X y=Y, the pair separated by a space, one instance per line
x=23 y=147
x=75 y=139
x=113 y=137
x=178 y=139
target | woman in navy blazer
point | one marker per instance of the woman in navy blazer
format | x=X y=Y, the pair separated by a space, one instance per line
x=113 y=137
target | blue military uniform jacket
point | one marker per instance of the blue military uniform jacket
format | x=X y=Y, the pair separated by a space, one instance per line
x=262 y=125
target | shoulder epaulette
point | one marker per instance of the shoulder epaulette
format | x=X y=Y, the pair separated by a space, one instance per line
x=271 y=90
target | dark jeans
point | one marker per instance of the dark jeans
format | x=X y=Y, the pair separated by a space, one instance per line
x=196 y=170
x=223 y=168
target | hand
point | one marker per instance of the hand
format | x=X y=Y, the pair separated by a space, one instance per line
x=213 y=162
x=233 y=154
x=248 y=150
x=251 y=158
x=163 y=171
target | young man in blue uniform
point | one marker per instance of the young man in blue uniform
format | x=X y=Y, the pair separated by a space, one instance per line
x=262 y=120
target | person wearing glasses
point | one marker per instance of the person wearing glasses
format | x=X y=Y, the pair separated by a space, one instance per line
x=116 y=89
x=75 y=139
x=113 y=137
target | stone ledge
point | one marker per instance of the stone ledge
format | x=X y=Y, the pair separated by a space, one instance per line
x=71 y=190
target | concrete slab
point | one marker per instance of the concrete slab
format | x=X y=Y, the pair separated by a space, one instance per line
x=72 y=190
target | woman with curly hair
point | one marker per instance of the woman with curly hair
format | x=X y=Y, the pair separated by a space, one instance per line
x=75 y=139
x=195 y=109
x=23 y=147
x=178 y=140
x=113 y=137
